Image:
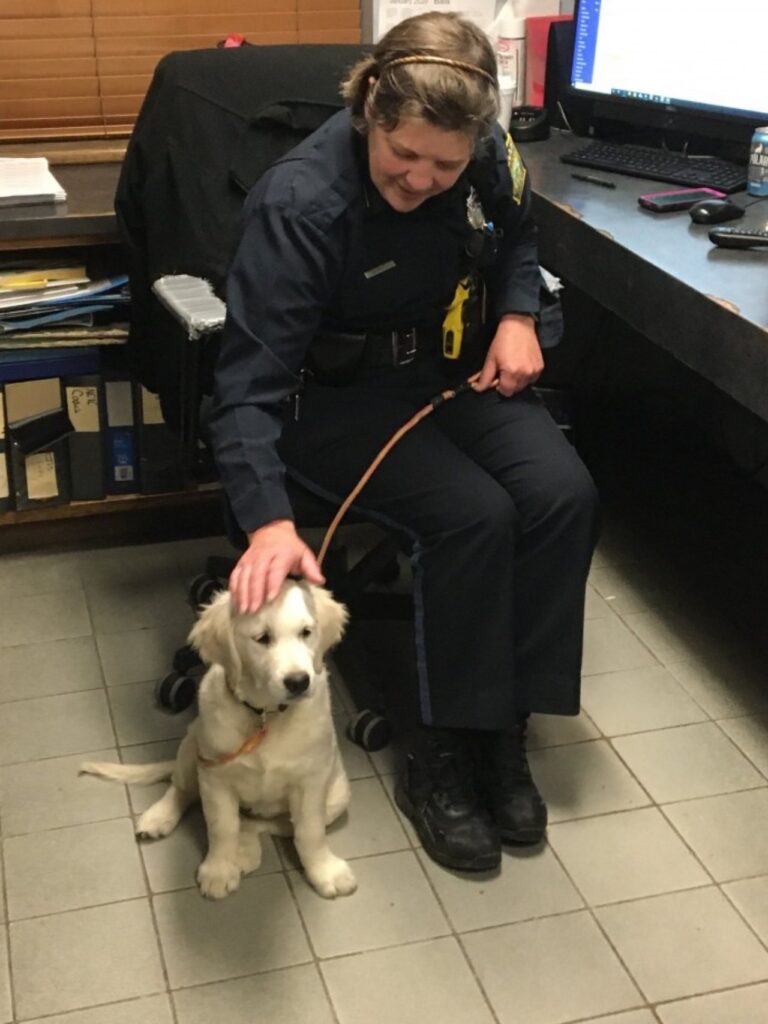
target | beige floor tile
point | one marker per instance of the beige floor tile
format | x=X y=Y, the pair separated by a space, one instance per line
x=387 y=760
x=389 y=782
x=45 y=669
x=625 y=856
x=357 y=763
x=137 y=718
x=750 y=734
x=294 y=995
x=623 y=591
x=369 y=826
x=609 y=646
x=739 y=1006
x=630 y=1017
x=40 y=617
x=530 y=883
x=595 y=606
x=71 y=868
x=254 y=929
x=517 y=966
x=751 y=898
x=723 y=687
x=139 y=655
x=144 y=605
x=127 y=567
x=2 y=894
x=687 y=762
x=670 y=637
x=584 y=779
x=148 y=1010
x=558 y=730
x=142 y=797
x=32 y=729
x=728 y=833
x=6 y=1011
x=427 y=981
x=38 y=573
x=172 y=861
x=684 y=943
x=393 y=904
x=638 y=700
x=84 y=957
x=41 y=795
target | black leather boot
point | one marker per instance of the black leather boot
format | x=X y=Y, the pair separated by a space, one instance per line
x=436 y=791
x=505 y=781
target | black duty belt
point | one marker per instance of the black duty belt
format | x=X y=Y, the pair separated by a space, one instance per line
x=339 y=350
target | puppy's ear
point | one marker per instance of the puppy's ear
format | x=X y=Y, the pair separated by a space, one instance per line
x=213 y=638
x=331 y=618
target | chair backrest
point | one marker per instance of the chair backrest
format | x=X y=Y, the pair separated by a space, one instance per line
x=211 y=123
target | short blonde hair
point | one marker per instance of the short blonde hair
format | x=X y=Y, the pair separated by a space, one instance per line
x=455 y=87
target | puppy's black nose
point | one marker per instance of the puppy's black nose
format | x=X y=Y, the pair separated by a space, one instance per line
x=296 y=682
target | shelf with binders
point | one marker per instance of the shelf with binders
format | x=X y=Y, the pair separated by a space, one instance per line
x=79 y=437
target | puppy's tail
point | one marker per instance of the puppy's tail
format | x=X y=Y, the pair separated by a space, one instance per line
x=140 y=774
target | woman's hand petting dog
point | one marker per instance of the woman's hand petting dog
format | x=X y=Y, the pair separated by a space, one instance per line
x=264 y=741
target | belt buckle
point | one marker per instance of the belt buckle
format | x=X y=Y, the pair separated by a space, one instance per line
x=403 y=347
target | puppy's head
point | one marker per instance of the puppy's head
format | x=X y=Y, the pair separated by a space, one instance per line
x=274 y=656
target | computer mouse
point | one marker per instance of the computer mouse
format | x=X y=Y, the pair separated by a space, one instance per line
x=714 y=211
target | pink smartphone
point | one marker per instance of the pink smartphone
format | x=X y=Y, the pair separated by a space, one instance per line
x=677 y=199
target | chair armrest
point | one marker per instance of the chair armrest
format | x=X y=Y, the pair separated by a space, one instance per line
x=192 y=301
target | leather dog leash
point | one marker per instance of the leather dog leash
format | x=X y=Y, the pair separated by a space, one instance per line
x=434 y=403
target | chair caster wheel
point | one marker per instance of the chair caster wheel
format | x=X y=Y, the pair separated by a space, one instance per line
x=185 y=659
x=369 y=730
x=175 y=693
x=201 y=590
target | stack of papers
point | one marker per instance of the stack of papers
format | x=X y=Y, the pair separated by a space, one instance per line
x=29 y=306
x=25 y=180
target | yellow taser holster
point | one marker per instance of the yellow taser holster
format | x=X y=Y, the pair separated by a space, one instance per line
x=454 y=321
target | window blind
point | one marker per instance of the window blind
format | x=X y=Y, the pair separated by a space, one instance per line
x=80 y=68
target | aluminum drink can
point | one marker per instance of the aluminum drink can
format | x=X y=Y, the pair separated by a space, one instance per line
x=757 y=171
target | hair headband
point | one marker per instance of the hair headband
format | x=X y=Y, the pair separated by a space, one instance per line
x=428 y=59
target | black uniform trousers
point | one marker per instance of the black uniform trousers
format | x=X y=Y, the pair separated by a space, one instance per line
x=501 y=518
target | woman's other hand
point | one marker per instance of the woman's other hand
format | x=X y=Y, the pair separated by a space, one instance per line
x=514 y=356
x=274 y=551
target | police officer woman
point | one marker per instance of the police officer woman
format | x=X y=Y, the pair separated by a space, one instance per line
x=349 y=266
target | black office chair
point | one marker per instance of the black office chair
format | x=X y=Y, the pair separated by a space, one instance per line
x=211 y=124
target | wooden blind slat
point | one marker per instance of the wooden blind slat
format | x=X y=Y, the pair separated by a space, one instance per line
x=34 y=49
x=72 y=68
x=45 y=28
x=214 y=26
x=47 y=8
x=48 y=69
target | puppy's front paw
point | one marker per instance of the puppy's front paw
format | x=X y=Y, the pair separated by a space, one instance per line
x=333 y=878
x=218 y=878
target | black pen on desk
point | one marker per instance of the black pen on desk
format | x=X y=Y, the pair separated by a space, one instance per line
x=593 y=180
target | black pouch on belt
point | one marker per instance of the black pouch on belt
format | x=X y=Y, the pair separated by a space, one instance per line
x=335 y=358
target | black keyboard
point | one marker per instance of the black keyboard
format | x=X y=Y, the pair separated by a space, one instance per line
x=660 y=165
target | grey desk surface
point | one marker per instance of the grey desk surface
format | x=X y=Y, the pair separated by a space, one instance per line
x=659 y=272
x=88 y=212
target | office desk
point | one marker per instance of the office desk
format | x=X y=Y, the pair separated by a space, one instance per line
x=706 y=306
x=86 y=218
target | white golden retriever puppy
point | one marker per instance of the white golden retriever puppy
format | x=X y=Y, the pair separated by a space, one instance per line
x=263 y=742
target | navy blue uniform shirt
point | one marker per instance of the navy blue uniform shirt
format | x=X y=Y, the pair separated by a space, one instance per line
x=313 y=225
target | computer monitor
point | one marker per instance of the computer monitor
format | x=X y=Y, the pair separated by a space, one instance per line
x=685 y=66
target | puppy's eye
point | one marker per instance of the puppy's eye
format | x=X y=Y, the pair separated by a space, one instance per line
x=305 y=633
x=265 y=639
